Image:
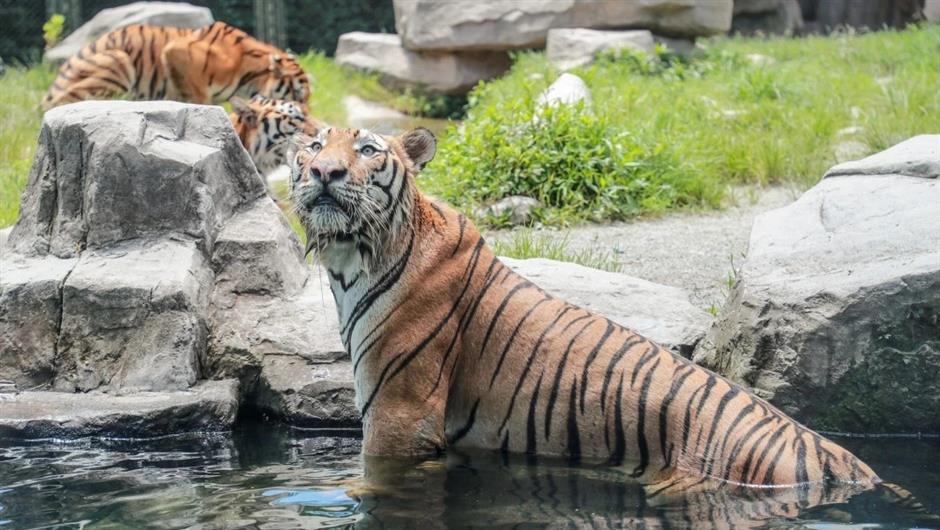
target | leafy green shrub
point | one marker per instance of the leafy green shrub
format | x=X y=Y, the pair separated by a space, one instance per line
x=52 y=30
x=573 y=158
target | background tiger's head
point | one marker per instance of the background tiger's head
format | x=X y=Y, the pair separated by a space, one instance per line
x=353 y=182
x=265 y=127
x=285 y=79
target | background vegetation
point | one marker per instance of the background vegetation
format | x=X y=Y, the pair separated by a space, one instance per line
x=661 y=132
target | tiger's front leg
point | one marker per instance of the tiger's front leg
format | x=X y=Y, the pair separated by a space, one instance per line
x=403 y=429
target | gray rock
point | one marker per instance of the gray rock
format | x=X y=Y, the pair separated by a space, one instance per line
x=147 y=258
x=568 y=89
x=4 y=235
x=569 y=48
x=308 y=394
x=177 y=14
x=494 y=25
x=30 y=313
x=444 y=72
x=661 y=313
x=257 y=253
x=835 y=314
x=916 y=157
x=516 y=209
x=133 y=318
x=932 y=11
x=208 y=406
x=248 y=328
x=108 y=171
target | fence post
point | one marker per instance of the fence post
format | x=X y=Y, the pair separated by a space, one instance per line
x=71 y=9
x=271 y=22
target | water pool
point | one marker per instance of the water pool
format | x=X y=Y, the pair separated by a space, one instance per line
x=271 y=477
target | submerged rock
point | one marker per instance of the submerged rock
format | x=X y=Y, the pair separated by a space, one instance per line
x=208 y=406
x=836 y=314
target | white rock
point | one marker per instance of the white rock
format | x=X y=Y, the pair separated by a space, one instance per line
x=569 y=48
x=661 y=313
x=916 y=157
x=834 y=314
x=498 y=25
x=177 y=14
x=517 y=209
x=760 y=60
x=568 y=89
x=439 y=71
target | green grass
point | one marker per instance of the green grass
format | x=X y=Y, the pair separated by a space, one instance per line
x=526 y=243
x=21 y=90
x=663 y=133
x=660 y=133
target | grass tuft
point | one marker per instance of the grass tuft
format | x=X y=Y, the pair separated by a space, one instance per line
x=526 y=243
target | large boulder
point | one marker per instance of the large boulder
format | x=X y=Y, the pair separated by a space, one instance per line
x=178 y=14
x=443 y=72
x=836 y=313
x=435 y=25
x=147 y=263
x=659 y=312
x=568 y=48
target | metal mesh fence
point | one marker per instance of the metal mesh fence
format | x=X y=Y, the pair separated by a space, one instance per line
x=296 y=24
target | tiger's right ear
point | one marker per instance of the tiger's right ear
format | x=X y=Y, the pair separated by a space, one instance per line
x=244 y=111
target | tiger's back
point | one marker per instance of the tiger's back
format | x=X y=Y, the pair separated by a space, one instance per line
x=203 y=65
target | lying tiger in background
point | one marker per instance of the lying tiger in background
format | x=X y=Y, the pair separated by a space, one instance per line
x=452 y=348
x=265 y=126
x=204 y=65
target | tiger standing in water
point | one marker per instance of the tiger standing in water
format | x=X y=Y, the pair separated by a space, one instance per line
x=451 y=348
x=205 y=65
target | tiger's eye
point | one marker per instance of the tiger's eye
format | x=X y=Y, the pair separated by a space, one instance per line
x=367 y=150
x=315 y=147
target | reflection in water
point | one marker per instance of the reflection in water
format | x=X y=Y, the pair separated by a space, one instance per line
x=271 y=478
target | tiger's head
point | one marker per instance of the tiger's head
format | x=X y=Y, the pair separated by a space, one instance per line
x=285 y=79
x=265 y=127
x=353 y=184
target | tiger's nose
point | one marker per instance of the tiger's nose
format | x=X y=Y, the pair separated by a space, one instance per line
x=328 y=172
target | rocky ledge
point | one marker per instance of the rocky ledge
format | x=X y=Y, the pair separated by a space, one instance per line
x=836 y=313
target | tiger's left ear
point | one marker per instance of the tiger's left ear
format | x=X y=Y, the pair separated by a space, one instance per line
x=245 y=113
x=420 y=145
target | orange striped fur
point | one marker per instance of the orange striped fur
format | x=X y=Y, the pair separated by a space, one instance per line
x=204 y=65
x=451 y=348
x=265 y=127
